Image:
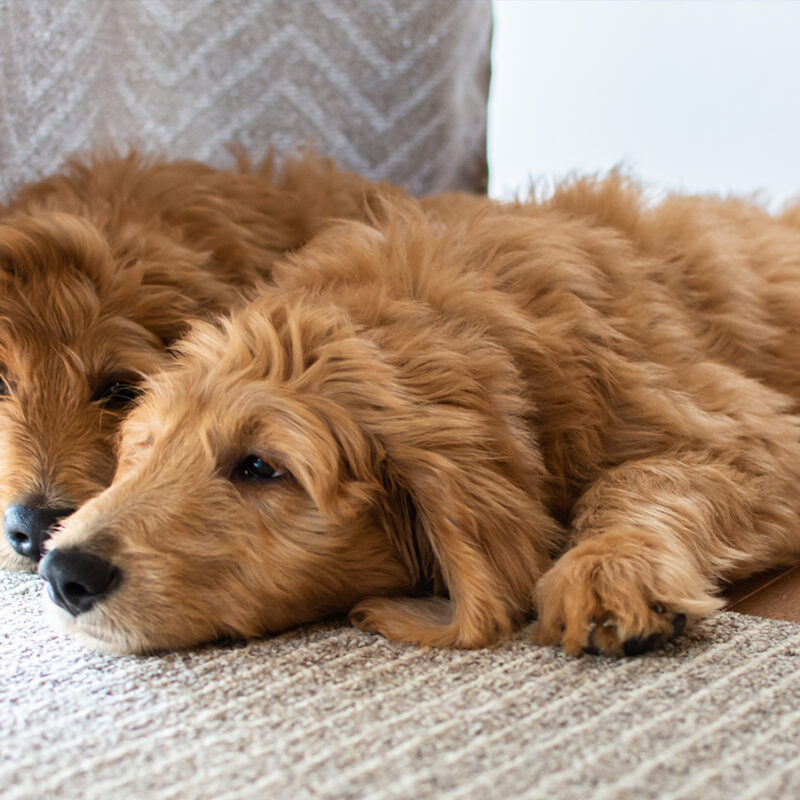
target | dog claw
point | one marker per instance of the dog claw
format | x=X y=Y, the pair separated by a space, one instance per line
x=635 y=646
x=590 y=648
x=597 y=628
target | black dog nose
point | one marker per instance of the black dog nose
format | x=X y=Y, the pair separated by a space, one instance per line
x=28 y=527
x=77 y=579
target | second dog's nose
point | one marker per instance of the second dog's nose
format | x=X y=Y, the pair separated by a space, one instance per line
x=77 y=579
x=28 y=527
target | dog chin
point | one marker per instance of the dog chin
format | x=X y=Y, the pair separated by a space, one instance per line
x=85 y=630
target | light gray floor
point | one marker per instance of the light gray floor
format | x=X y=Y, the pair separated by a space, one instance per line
x=328 y=712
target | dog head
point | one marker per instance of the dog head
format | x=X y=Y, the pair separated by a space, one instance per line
x=82 y=320
x=294 y=464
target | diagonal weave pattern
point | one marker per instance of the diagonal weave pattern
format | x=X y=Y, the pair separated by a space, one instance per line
x=394 y=90
x=328 y=712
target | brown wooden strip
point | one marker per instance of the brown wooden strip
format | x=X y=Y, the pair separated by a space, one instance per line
x=740 y=590
x=774 y=595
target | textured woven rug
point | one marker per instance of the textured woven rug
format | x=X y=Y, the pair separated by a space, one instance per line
x=328 y=712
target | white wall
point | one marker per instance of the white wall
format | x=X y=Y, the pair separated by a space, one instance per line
x=700 y=96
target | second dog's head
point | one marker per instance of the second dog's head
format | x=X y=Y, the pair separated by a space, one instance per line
x=82 y=320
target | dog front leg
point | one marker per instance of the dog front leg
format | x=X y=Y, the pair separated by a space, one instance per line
x=651 y=542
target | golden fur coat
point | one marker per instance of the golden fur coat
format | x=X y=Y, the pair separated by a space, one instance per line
x=462 y=414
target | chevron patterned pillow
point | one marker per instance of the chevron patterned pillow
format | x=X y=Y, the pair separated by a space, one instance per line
x=394 y=89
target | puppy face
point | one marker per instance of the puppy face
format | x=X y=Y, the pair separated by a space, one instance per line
x=246 y=499
x=80 y=325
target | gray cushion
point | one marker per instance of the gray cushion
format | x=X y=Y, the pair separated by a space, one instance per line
x=394 y=90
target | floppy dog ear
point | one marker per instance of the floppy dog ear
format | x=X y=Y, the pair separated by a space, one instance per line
x=454 y=477
x=475 y=512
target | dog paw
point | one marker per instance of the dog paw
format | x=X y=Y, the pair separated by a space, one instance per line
x=616 y=597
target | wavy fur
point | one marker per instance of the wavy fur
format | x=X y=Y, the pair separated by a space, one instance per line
x=582 y=408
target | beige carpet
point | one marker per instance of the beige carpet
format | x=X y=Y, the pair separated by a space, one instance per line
x=328 y=712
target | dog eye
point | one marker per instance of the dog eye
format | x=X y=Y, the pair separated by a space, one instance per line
x=117 y=394
x=255 y=468
x=5 y=384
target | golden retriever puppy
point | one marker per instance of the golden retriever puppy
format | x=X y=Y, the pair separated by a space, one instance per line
x=583 y=408
x=102 y=267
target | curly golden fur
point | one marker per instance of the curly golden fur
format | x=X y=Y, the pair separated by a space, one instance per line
x=583 y=407
x=102 y=267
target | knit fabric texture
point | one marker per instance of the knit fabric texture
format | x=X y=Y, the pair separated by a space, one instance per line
x=393 y=89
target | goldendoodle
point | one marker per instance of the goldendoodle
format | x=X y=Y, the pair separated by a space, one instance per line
x=582 y=407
